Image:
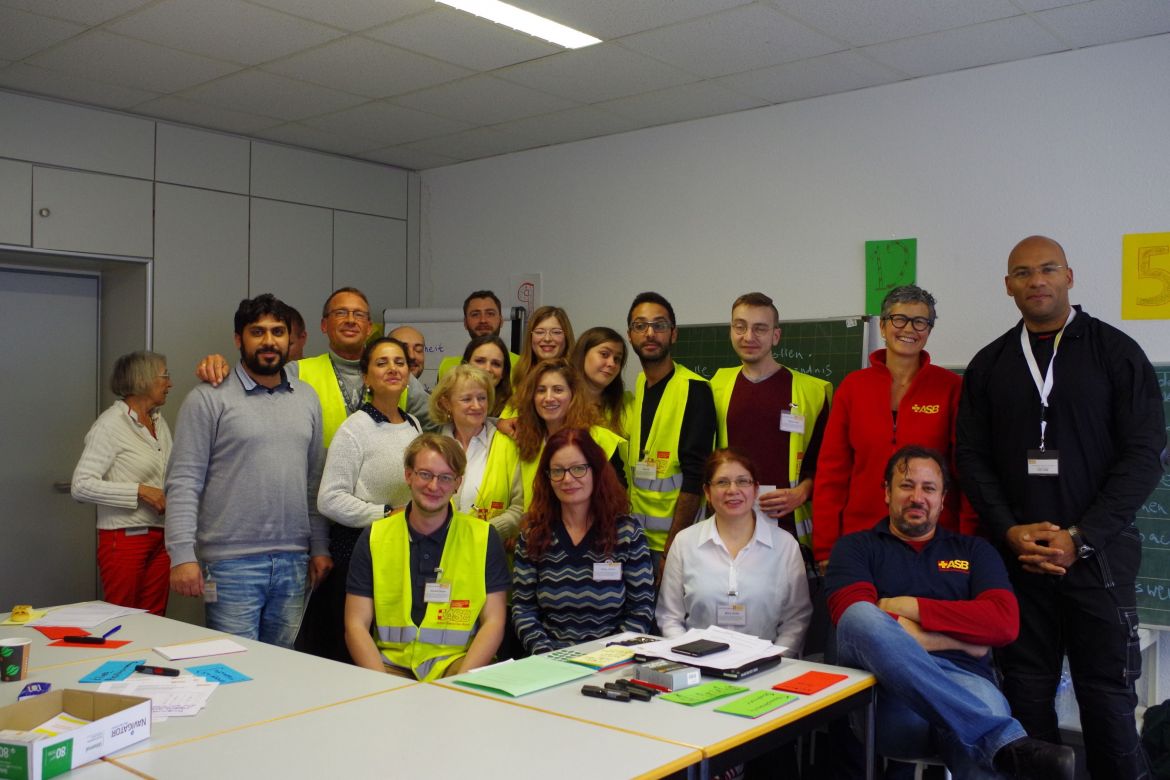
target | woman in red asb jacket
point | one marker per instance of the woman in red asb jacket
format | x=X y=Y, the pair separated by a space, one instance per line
x=900 y=399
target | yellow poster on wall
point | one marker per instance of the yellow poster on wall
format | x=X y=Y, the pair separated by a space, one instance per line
x=1145 y=276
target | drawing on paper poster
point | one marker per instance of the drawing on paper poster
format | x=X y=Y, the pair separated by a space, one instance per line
x=888 y=264
x=1145 y=276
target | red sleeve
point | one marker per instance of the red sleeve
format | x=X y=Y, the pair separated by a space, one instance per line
x=991 y=618
x=831 y=485
x=843 y=598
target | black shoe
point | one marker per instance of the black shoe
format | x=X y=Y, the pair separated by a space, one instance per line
x=1035 y=759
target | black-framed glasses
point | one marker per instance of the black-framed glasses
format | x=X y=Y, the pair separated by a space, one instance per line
x=557 y=473
x=901 y=320
x=658 y=326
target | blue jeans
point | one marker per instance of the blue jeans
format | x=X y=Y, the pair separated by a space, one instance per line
x=259 y=596
x=926 y=704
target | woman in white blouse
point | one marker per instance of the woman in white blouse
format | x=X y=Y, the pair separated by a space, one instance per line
x=364 y=480
x=121 y=470
x=462 y=402
x=737 y=569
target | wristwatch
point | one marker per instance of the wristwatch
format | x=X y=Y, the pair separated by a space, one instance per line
x=1082 y=547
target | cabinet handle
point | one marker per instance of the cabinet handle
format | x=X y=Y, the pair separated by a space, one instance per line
x=62 y=487
x=43 y=212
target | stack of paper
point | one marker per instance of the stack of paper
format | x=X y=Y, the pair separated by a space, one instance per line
x=605 y=658
x=743 y=649
x=170 y=697
x=89 y=614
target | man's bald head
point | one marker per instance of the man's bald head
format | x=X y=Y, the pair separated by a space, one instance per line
x=1039 y=278
x=416 y=354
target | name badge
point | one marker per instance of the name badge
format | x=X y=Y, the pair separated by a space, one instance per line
x=647 y=469
x=210 y=592
x=792 y=423
x=731 y=615
x=609 y=571
x=437 y=592
x=1043 y=463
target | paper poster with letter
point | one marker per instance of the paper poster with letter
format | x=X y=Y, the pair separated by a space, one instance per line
x=888 y=264
x=1145 y=276
x=524 y=291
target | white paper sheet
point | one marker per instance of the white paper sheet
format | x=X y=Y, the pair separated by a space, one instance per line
x=170 y=697
x=199 y=649
x=86 y=615
x=743 y=650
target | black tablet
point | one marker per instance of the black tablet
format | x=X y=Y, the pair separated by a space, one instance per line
x=700 y=647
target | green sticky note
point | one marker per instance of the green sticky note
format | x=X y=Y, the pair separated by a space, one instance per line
x=701 y=694
x=756 y=704
x=888 y=264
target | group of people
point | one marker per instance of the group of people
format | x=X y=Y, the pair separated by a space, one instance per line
x=530 y=502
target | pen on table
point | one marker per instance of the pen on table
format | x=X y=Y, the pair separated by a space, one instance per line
x=161 y=671
x=91 y=640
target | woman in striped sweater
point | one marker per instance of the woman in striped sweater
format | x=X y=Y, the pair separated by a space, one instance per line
x=582 y=568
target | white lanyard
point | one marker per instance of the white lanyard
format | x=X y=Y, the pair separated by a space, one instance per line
x=1043 y=385
x=732 y=582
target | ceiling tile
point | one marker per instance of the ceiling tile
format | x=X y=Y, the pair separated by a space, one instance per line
x=473 y=144
x=967 y=47
x=411 y=159
x=564 y=126
x=871 y=21
x=351 y=15
x=466 y=40
x=367 y=68
x=22 y=34
x=190 y=112
x=385 y=124
x=677 y=104
x=272 y=95
x=762 y=37
x=224 y=29
x=837 y=72
x=596 y=73
x=608 y=19
x=1106 y=21
x=483 y=100
x=87 y=12
x=116 y=59
x=297 y=134
x=70 y=87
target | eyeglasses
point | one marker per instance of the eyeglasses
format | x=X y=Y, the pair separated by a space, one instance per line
x=1046 y=271
x=901 y=320
x=540 y=333
x=740 y=482
x=658 y=326
x=557 y=473
x=164 y=375
x=759 y=331
x=345 y=314
x=445 y=480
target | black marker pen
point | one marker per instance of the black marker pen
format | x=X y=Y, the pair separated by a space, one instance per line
x=161 y=671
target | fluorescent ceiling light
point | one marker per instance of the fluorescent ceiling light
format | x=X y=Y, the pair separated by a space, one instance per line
x=525 y=22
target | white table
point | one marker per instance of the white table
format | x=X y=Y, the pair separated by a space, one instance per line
x=725 y=740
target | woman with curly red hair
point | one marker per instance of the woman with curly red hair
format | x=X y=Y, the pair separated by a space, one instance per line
x=582 y=567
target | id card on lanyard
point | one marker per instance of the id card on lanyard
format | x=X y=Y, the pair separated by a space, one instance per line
x=734 y=612
x=1043 y=462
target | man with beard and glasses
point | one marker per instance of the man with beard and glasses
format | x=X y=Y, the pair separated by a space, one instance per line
x=670 y=420
x=242 y=527
x=921 y=607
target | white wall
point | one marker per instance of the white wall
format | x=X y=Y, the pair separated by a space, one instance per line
x=782 y=199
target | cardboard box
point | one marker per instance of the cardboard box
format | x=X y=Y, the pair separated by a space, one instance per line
x=115 y=722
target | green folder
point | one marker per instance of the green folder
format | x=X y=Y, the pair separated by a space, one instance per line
x=756 y=704
x=701 y=694
x=516 y=678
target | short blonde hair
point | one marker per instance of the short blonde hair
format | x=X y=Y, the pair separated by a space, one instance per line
x=461 y=373
x=447 y=448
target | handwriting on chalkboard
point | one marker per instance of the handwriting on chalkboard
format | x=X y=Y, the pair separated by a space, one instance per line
x=1153 y=538
x=1154 y=590
x=1154 y=508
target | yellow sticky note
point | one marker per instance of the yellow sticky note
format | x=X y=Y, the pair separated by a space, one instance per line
x=1145 y=276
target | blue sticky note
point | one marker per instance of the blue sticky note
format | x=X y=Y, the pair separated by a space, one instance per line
x=112 y=671
x=218 y=673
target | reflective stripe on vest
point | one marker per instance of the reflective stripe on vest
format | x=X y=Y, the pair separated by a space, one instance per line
x=447 y=628
x=810 y=395
x=652 y=500
x=317 y=373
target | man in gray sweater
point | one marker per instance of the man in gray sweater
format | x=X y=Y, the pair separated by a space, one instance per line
x=242 y=525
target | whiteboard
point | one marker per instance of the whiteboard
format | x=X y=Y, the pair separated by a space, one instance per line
x=445 y=335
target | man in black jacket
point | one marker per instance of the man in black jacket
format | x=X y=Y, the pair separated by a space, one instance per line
x=1059 y=433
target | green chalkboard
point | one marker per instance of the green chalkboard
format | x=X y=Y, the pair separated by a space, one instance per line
x=1153 y=520
x=828 y=349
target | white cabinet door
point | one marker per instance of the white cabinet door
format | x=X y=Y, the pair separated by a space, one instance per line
x=15 y=203
x=292 y=258
x=370 y=253
x=93 y=213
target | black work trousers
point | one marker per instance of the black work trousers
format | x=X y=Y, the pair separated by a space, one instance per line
x=1090 y=615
